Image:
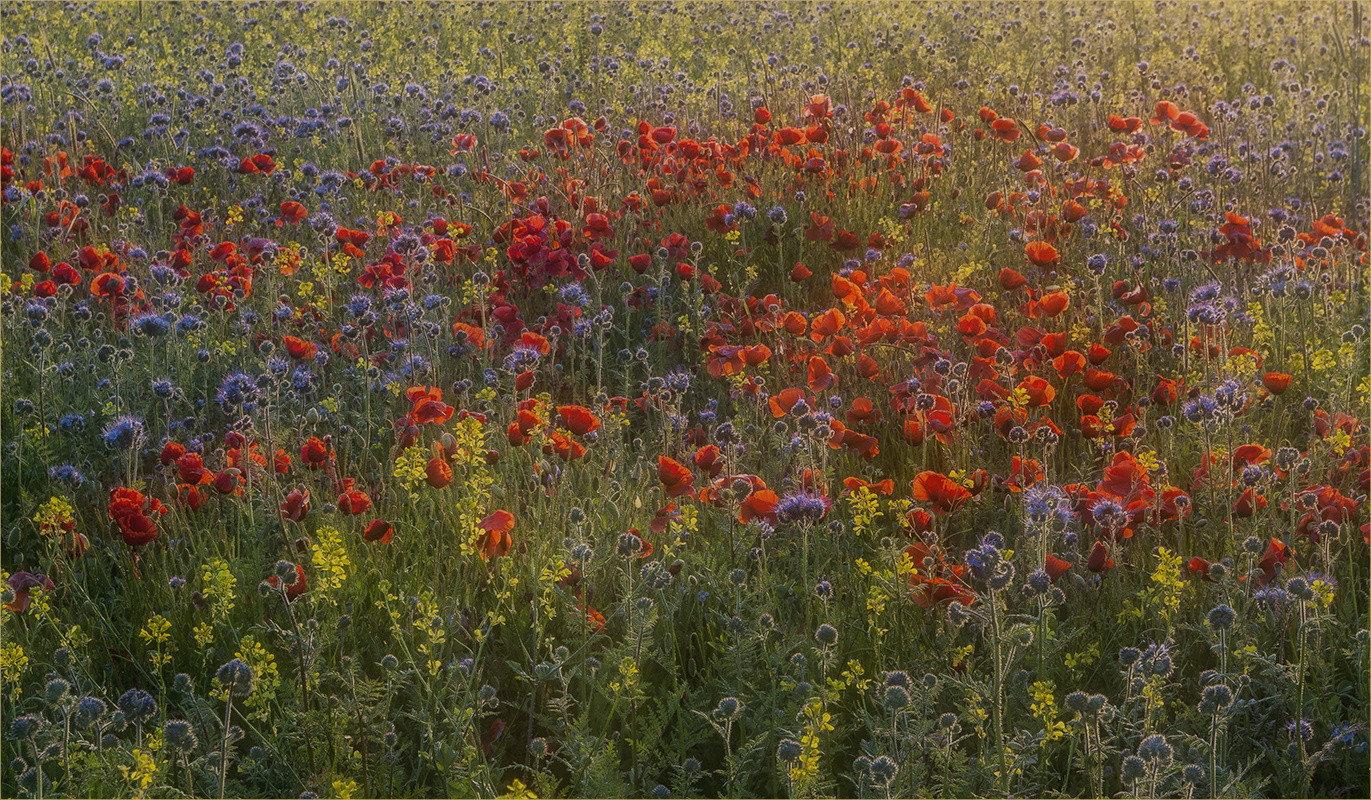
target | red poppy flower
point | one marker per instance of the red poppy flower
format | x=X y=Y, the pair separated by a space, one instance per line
x=1276 y=382
x=315 y=453
x=296 y=505
x=675 y=478
x=428 y=405
x=437 y=473
x=353 y=501
x=821 y=229
x=1005 y=129
x=191 y=497
x=224 y=482
x=190 y=469
x=563 y=446
x=943 y=495
x=1039 y=391
x=298 y=348
x=1166 y=393
x=594 y=619
x=1277 y=555
x=1099 y=560
x=1248 y=503
x=136 y=515
x=929 y=592
x=760 y=504
x=1055 y=567
x=495 y=731
x=644 y=546
x=661 y=521
x=1054 y=303
x=1011 y=279
x=258 y=164
x=820 y=375
x=23 y=584
x=293 y=590
x=292 y=213
x=578 y=419
x=1200 y=567
x=1069 y=363
x=496 y=542
x=710 y=459
x=378 y=531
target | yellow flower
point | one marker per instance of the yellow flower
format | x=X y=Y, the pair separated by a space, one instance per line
x=518 y=791
x=141 y=774
x=331 y=561
x=204 y=635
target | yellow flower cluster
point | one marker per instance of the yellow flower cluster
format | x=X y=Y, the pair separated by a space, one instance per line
x=1165 y=595
x=217 y=585
x=331 y=561
x=267 y=676
x=409 y=468
x=866 y=507
x=1044 y=707
x=817 y=722
x=52 y=514
x=156 y=633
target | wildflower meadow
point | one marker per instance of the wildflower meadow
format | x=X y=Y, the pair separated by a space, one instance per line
x=684 y=399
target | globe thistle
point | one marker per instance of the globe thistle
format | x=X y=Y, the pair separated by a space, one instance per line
x=1076 y=701
x=1132 y=769
x=729 y=709
x=1299 y=588
x=883 y=770
x=26 y=727
x=137 y=706
x=1155 y=750
x=1221 y=617
x=1214 y=699
x=236 y=677
x=826 y=635
x=1193 y=774
x=789 y=751
x=55 y=693
x=89 y=710
x=179 y=736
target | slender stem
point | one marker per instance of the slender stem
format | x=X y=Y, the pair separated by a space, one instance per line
x=1214 y=757
x=999 y=695
x=223 y=746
